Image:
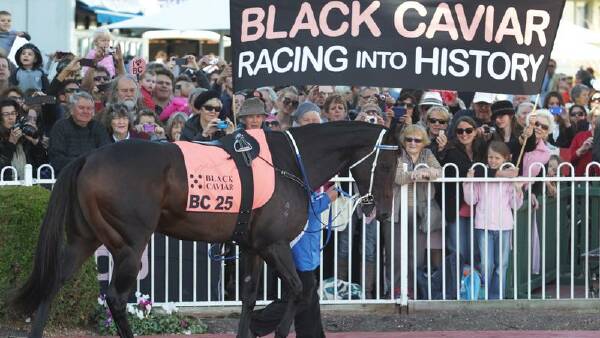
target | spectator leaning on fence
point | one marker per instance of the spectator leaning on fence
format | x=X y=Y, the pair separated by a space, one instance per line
x=76 y=135
x=19 y=141
x=493 y=204
x=421 y=166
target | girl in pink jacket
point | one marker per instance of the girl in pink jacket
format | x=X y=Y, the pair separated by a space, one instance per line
x=494 y=204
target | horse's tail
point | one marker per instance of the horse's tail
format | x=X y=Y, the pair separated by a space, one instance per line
x=47 y=266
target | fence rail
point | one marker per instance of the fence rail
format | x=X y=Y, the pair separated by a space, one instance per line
x=552 y=252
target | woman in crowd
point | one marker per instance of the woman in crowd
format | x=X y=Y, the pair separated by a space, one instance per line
x=306 y=113
x=578 y=115
x=462 y=152
x=335 y=109
x=19 y=141
x=563 y=131
x=175 y=126
x=287 y=103
x=508 y=131
x=523 y=111
x=119 y=124
x=494 y=204
x=421 y=166
x=437 y=124
x=252 y=114
x=206 y=125
x=581 y=148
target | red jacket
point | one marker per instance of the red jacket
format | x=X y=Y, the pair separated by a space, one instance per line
x=580 y=162
x=148 y=101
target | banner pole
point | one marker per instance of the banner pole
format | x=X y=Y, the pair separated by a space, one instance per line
x=537 y=98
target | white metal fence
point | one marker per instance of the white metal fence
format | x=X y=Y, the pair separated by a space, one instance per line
x=553 y=249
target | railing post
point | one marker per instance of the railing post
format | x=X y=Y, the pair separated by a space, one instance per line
x=28 y=179
x=403 y=200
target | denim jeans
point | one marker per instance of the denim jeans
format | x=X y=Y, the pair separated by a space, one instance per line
x=492 y=271
x=370 y=240
x=461 y=244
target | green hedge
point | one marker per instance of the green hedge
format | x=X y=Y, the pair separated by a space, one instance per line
x=21 y=213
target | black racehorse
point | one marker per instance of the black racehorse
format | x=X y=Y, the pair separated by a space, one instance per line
x=120 y=194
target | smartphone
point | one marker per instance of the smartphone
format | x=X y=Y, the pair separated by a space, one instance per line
x=399 y=112
x=181 y=61
x=60 y=55
x=87 y=63
x=149 y=128
x=442 y=132
x=326 y=89
x=555 y=110
x=42 y=99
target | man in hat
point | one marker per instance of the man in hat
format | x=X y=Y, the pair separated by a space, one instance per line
x=480 y=111
x=428 y=100
x=252 y=113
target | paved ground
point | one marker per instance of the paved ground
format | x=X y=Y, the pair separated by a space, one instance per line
x=436 y=334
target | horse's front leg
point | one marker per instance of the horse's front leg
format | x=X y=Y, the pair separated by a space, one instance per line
x=252 y=264
x=279 y=257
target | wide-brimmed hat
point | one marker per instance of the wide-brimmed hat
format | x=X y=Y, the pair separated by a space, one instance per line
x=431 y=99
x=503 y=107
x=252 y=106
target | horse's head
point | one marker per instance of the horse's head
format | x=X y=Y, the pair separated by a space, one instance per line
x=377 y=188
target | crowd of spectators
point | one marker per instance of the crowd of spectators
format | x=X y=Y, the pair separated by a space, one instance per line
x=57 y=107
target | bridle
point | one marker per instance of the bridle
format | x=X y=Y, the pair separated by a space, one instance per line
x=367 y=198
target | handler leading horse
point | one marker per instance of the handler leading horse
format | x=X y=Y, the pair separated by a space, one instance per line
x=120 y=194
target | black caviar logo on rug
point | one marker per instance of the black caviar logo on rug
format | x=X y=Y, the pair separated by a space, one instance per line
x=217 y=183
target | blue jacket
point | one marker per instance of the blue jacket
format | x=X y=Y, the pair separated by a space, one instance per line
x=306 y=251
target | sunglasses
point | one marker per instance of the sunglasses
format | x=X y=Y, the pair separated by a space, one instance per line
x=289 y=102
x=72 y=90
x=577 y=113
x=272 y=124
x=595 y=99
x=460 y=131
x=178 y=86
x=543 y=126
x=412 y=140
x=438 y=121
x=212 y=108
x=15 y=98
x=100 y=78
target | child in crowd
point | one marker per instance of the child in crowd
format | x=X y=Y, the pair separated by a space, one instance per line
x=493 y=212
x=147 y=122
x=8 y=36
x=29 y=75
x=148 y=82
x=102 y=39
x=552 y=171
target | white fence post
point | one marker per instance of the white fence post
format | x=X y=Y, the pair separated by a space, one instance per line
x=28 y=179
x=403 y=200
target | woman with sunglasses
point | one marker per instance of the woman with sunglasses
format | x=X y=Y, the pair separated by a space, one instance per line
x=437 y=124
x=286 y=105
x=464 y=150
x=19 y=141
x=578 y=115
x=421 y=166
x=206 y=125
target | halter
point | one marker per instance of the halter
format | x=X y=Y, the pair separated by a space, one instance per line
x=368 y=198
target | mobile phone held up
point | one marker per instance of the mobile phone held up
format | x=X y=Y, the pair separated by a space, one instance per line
x=87 y=63
x=181 y=61
x=555 y=110
x=399 y=112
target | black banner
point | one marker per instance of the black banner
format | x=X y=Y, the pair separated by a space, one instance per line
x=500 y=46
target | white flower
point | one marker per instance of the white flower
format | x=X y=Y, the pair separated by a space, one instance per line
x=148 y=307
x=145 y=297
x=138 y=294
x=131 y=308
x=187 y=332
x=169 y=308
x=100 y=301
x=139 y=314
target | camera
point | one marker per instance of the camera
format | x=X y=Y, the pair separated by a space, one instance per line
x=110 y=50
x=222 y=125
x=149 y=128
x=27 y=129
x=488 y=129
x=371 y=119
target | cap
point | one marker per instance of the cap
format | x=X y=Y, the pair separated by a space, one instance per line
x=252 y=106
x=483 y=97
x=431 y=99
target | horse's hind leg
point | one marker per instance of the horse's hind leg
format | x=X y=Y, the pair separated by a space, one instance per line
x=127 y=264
x=76 y=252
x=279 y=256
x=252 y=267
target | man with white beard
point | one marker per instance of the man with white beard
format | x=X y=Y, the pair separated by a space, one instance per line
x=126 y=91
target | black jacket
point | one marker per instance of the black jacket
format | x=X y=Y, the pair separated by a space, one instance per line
x=69 y=140
x=192 y=131
x=596 y=146
x=34 y=154
x=565 y=136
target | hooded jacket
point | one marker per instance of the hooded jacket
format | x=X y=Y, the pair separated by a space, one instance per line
x=34 y=78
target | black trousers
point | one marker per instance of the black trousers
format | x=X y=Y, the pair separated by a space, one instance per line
x=308 y=312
